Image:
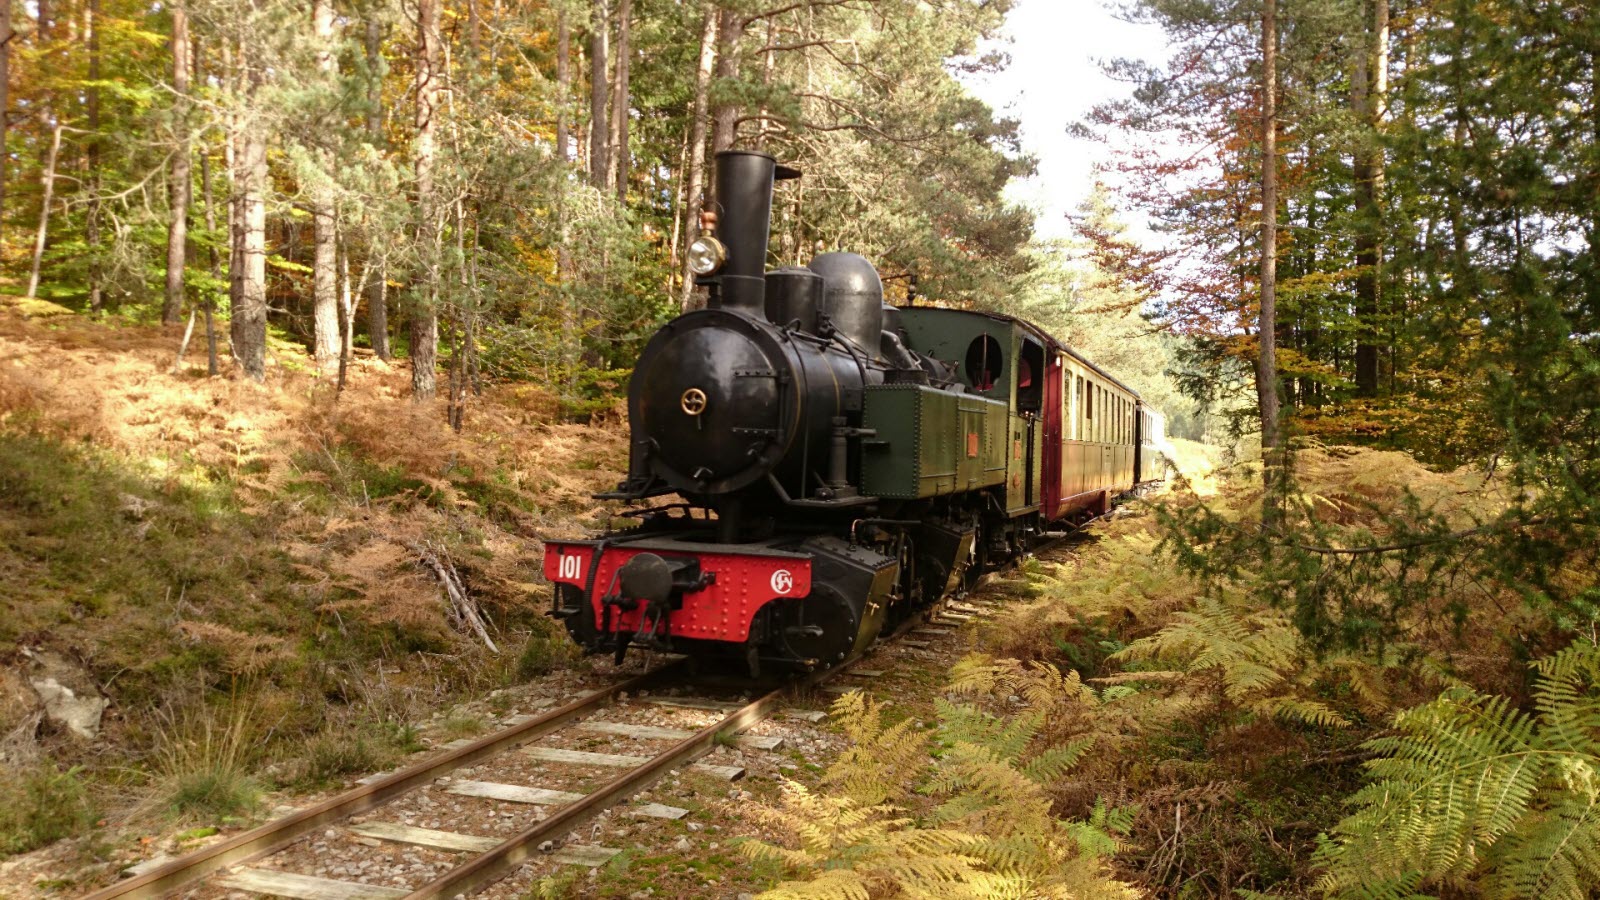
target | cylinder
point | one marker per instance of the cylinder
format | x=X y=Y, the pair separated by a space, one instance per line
x=853 y=298
x=794 y=295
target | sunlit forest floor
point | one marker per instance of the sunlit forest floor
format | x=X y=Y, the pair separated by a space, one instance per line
x=234 y=567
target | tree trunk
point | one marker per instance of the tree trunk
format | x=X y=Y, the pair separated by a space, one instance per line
x=667 y=181
x=459 y=329
x=769 y=62
x=49 y=184
x=726 y=115
x=216 y=266
x=91 y=156
x=247 y=214
x=377 y=282
x=569 y=313
x=6 y=36
x=696 y=174
x=325 y=261
x=619 y=161
x=425 y=317
x=178 y=186
x=1266 y=362
x=599 y=155
x=347 y=310
x=183 y=345
x=248 y=268
x=563 y=86
x=1369 y=89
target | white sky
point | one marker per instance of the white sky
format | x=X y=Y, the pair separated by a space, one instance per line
x=1055 y=76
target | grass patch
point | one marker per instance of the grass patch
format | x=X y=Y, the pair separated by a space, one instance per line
x=462 y=725
x=40 y=806
x=333 y=757
x=544 y=651
x=339 y=472
x=215 y=794
x=205 y=767
x=405 y=738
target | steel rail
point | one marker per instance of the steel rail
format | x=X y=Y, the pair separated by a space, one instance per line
x=275 y=835
x=494 y=864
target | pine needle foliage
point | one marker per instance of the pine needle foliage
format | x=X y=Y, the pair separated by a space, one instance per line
x=988 y=835
x=1470 y=788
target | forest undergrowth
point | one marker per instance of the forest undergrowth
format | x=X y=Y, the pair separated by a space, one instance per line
x=238 y=569
x=1135 y=724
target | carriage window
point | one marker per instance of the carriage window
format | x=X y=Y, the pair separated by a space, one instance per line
x=984 y=362
x=1078 y=429
x=1030 y=377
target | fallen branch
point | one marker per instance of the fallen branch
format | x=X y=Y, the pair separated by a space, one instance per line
x=463 y=609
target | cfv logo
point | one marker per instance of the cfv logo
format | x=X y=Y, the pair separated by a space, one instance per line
x=782 y=582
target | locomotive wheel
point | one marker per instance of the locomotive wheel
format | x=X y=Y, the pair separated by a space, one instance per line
x=823 y=626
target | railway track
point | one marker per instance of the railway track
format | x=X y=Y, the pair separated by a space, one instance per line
x=552 y=788
x=271 y=858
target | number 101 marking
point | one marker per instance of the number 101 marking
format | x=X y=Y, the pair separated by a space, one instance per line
x=570 y=567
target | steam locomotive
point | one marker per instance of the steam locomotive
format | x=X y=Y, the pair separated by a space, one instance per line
x=839 y=463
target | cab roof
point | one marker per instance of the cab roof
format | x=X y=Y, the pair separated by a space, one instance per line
x=1049 y=340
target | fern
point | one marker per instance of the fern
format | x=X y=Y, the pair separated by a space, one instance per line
x=1259 y=659
x=1248 y=649
x=991 y=833
x=880 y=759
x=1040 y=685
x=1471 y=788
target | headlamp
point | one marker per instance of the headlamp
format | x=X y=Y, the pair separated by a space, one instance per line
x=706 y=255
